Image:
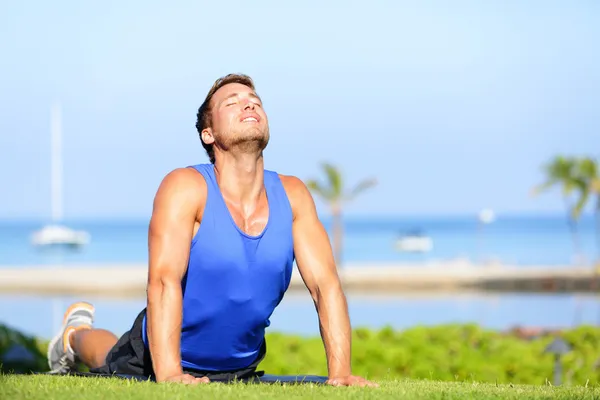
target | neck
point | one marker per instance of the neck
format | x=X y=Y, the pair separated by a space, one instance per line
x=240 y=177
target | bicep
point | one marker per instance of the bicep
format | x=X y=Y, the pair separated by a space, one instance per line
x=171 y=227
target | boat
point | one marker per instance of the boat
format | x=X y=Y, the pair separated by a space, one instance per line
x=414 y=242
x=487 y=216
x=56 y=233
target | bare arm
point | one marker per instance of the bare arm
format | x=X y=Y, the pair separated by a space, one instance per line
x=171 y=229
x=316 y=265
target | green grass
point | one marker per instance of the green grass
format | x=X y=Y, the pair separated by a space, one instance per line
x=50 y=387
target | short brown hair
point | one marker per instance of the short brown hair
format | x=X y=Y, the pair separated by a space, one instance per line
x=204 y=117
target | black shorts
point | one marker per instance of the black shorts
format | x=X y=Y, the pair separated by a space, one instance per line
x=129 y=356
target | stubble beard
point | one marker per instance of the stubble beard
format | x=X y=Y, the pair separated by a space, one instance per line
x=249 y=140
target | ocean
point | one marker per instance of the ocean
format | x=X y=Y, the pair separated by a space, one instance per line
x=515 y=240
x=523 y=241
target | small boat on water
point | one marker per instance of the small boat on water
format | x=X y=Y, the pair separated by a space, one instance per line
x=414 y=242
x=59 y=235
x=56 y=233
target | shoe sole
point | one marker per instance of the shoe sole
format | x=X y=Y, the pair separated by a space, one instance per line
x=82 y=305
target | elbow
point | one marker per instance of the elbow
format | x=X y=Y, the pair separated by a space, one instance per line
x=154 y=288
x=329 y=289
x=315 y=294
x=159 y=285
x=154 y=292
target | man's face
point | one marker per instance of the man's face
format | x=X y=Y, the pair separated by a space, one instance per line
x=238 y=119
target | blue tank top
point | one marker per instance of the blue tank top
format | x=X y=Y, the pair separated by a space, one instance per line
x=233 y=281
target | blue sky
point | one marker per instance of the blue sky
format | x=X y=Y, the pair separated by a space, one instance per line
x=452 y=105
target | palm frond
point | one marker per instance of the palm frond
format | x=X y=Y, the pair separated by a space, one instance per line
x=569 y=186
x=334 y=178
x=588 y=168
x=561 y=171
x=320 y=190
x=561 y=168
x=361 y=187
x=539 y=189
x=580 y=205
x=588 y=171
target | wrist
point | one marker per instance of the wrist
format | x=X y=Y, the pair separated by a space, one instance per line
x=339 y=373
x=166 y=374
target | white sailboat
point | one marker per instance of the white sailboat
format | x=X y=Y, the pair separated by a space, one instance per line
x=414 y=242
x=56 y=233
x=487 y=216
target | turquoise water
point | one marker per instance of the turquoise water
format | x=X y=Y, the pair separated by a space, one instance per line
x=524 y=240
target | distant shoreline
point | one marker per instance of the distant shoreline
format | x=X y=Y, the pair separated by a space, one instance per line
x=129 y=280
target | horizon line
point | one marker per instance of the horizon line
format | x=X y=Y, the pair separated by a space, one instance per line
x=374 y=216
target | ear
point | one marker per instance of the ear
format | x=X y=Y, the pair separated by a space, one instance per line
x=207 y=136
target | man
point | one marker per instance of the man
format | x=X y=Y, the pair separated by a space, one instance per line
x=222 y=240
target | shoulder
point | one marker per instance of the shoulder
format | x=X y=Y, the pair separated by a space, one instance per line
x=293 y=185
x=182 y=185
x=298 y=194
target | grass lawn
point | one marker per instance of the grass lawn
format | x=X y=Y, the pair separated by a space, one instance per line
x=77 y=388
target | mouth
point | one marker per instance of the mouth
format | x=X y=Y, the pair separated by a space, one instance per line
x=250 y=118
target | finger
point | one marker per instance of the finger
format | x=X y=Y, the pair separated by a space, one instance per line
x=355 y=382
x=361 y=382
x=366 y=383
x=188 y=379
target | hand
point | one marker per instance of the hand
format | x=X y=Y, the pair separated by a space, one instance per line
x=186 y=379
x=350 y=380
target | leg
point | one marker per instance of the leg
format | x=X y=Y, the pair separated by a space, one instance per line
x=91 y=346
x=78 y=341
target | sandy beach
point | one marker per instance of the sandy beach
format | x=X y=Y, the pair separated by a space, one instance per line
x=129 y=280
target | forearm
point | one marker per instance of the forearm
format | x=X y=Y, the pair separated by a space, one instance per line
x=164 y=315
x=334 y=324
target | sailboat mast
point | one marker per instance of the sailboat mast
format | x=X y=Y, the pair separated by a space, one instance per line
x=56 y=163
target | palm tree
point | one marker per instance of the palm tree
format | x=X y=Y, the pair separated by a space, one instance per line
x=588 y=174
x=563 y=172
x=334 y=193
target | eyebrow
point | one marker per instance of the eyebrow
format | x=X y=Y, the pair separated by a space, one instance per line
x=237 y=94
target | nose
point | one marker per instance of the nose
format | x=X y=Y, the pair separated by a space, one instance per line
x=249 y=105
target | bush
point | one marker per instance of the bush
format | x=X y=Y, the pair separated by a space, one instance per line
x=34 y=360
x=446 y=352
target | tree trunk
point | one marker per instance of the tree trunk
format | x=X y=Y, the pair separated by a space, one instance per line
x=337 y=231
x=572 y=222
x=575 y=237
x=597 y=212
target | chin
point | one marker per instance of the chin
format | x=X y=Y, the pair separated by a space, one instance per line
x=254 y=134
x=252 y=139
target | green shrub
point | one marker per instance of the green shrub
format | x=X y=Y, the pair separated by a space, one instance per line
x=10 y=338
x=447 y=352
